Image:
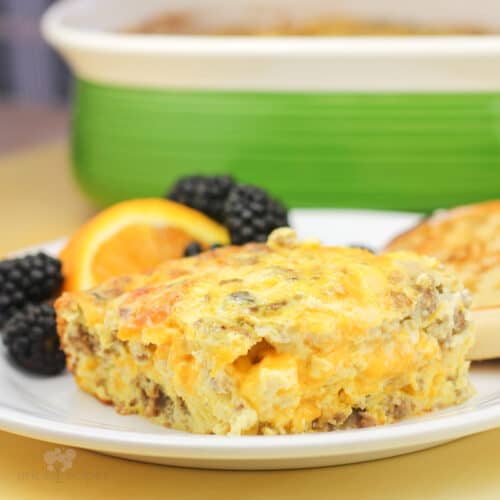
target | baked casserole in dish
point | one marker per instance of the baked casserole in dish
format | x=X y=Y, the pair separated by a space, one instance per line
x=382 y=120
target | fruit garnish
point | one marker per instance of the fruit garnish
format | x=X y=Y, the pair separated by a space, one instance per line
x=27 y=280
x=134 y=237
x=361 y=247
x=208 y=194
x=251 y=214
x=32 y=341
x=194 y=248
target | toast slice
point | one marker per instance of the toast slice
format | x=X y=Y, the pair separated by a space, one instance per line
x=467 y=238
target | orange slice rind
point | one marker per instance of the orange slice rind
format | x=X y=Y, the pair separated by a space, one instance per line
x=133 y=237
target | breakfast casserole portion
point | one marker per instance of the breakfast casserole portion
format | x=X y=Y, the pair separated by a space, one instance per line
x=276 y=338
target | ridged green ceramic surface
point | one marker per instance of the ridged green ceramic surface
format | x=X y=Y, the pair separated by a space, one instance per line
x=385 y=151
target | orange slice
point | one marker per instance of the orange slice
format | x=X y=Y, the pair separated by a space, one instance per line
x=134 y=237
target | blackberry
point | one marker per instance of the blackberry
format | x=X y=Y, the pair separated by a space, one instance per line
x=194 y=248
x=362 y=247
x=251 y=214
x=26 y=280
x=32 y=341
x=207 y=194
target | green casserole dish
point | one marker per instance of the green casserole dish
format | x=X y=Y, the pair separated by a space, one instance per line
x=404 y=123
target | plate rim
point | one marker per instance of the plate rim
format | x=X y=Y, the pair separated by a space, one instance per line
x=414 y=431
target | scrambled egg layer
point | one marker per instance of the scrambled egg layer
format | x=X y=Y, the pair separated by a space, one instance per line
x=286 y=337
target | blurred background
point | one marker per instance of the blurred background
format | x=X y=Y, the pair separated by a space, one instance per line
x=339 y=122
x=34 y=82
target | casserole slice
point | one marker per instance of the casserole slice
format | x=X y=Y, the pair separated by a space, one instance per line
x=276 y=338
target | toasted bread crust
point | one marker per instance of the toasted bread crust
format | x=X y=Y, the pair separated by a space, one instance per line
x=415 y=234
x=468 y=239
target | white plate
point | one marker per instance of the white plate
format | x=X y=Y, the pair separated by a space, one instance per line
x=55 y=410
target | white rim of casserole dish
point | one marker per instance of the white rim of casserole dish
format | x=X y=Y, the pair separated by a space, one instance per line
x=378 y=63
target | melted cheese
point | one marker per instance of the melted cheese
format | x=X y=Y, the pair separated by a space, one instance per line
x=288 y=332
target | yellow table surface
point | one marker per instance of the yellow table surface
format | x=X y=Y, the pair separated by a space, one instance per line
x=40 y=202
